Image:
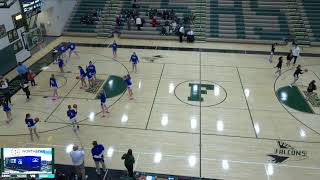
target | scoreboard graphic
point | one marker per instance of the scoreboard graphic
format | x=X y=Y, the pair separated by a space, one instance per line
x=27 y=162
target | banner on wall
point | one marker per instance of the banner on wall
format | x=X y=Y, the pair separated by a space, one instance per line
x=33 y=38
x=3 y=31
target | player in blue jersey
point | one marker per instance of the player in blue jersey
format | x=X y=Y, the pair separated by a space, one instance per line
x=89 y=76
x=72 y=49
x=114 y=49
x=72 y=114
x=92 y=69
x=60 y=64
x=97 y=152
x=6 y=108
x=134 y=60
x=127 y=80
x=82 y=77
x=103 y=99
x=62 y=50
x=31 y=124
x=54 y=87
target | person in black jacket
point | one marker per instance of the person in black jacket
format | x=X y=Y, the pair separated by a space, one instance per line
x=311 y=87
x=296 y=74
x=129 y=161
x=273 y=48
x=25 y=88
x=279 y=66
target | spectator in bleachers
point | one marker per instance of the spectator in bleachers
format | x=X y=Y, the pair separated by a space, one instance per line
x=181 y=33
x=174 y=25
x=143 y=21
x=165 y=14
x=167 y=26
x=172 y=15
x=163 y=31
x=154 y=22
x=190 y=36
x=139 y=23
x=118 y=21
x=129 y=24
x=135 y=4
x=92 y=17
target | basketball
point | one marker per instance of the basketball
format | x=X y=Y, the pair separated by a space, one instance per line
x=305 y=70
x=75 y=106
x=36 y=119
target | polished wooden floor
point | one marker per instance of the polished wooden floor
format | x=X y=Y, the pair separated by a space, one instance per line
x=234 y=133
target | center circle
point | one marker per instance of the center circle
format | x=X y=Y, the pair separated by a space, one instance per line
x=205 y=93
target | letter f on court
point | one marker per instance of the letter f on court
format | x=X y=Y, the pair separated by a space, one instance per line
x=197 y=89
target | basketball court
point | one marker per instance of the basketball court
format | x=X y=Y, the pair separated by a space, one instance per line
x=195 y=113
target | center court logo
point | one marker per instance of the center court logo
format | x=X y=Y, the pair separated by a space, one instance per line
x=197 y=89
x=202 y=93
x=284 y=152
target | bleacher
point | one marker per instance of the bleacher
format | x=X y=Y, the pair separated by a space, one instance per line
x=102 y=27
x=247 y=21
x=312 y=12
x=180 y=8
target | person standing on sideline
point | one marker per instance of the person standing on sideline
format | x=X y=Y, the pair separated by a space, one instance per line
x=279 y=66
x=82 y=77
x=181 y=33
x=128 y=81
x=139 y=23
x=273 y=47
x=128 y=162
x=92 y=70
x=6 y=108
x=296 y=74
x=72 y=114
x=295 y=53
x=77 y=157
x=31 y=77
x=54 y=87
x=25 y=88
x=31 y=124
x=103 y=99
x=114 y=49
x=5 y=89
x=134 y=60
x=311 y=87
x=22 y=70
x=98 y=156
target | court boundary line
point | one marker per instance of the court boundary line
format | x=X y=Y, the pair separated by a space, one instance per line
x=155 y=95
x=200 y=113
x=245 y=97
x=182 y=156
x=167 y=48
